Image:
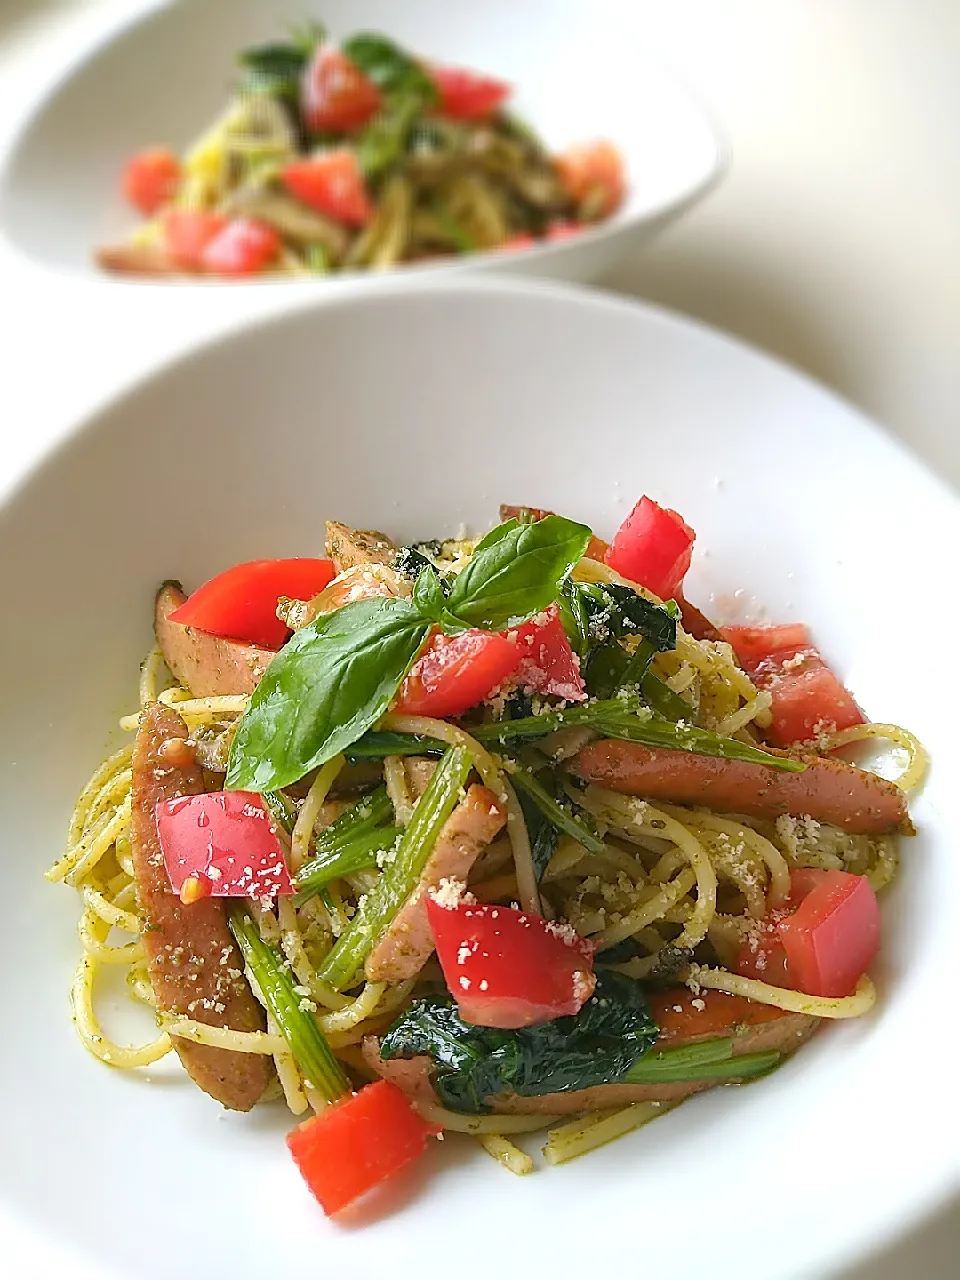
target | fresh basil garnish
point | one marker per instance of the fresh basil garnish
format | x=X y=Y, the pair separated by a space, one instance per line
x=277 y=68
x=428 y=594
x=331 y=682
x=515 y=571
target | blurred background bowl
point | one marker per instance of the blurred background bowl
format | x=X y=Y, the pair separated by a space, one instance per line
x=579 y=72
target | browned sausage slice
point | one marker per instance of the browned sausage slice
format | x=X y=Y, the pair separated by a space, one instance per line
x=408 y=942
x=754 y=1028
x=195 y=968
x=695 y=623
x=351 y=548
x=828 y=790
x=206 y=665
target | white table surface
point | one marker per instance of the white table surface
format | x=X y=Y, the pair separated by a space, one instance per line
x=833 y=242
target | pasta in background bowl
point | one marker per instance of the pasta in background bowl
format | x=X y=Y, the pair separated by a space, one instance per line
x=577 y=75
x=746 y=450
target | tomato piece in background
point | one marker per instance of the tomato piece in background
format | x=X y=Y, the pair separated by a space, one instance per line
x=467 y=95
x=185 y=233
x=150 y=179
x=563 y=229
x=241 y=602
x=515 y=244
x=807 y=697
x=590 y=167
x=335 y=95
x=357 y=1143
x=653 y=546
x=455 y=673
x=221 y=844
x=505 y=967
x=244 y=247
x=822 y=940
x=332 y=183
x=547 y=662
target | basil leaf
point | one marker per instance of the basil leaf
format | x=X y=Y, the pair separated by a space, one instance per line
x=515 y=571
x=389 y=67
x=326 y=687
x=428 y=594
x=277 y=68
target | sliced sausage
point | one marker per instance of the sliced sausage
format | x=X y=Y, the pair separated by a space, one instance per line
x=194 y=965
x=408 y=942
x=695 y=623
x=828 y=790
x=206 y=665
x=136 y=260
x=754 y=1028
x=349 y=548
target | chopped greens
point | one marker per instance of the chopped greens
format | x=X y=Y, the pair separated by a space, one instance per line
x=706 y=1060
x=272 y=975
x=359 y=854
x=628 y=718
x=555 y=807
x=277 y=68
x=473 y=1064
x=398 y=879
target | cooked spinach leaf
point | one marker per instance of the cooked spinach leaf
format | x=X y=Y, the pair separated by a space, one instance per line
x=544 y=836
x=473 y=1064
x=390 y=68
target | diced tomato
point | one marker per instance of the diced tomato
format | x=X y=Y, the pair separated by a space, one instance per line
x=508 y=968
x=822 y=941
x=547 y=662
x=833 y=936
x=222 y=844
x=653 y=546
x=332 y=183
x=514 y=244
x=455 y=673
x=563 y=229
x=357 y=1143
x=335 y=95
x=467 y=95
x=187 y=232
x=592 y=167
x=244 y=247
x=241 y=603
x=807 y=697
x=150 y=179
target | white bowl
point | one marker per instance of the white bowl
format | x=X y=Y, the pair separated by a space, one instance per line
x=414 y=411
x=580 y=71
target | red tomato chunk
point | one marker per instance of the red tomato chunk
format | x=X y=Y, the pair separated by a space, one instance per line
x=187 y=232
x=505 y=967
x=335 y=95
x=150 y=179
x=823 y=941
x=467 y=95
x=241 y=603
x=357 y=1143
x=225 y=843
x=547 y=663
x=653 y=546
x=808 y=699
x=331 y=183
x=244 y=247
x=593 y=167
x=455 y=673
